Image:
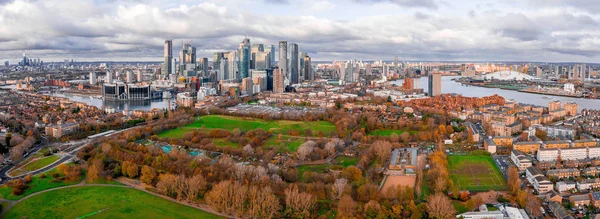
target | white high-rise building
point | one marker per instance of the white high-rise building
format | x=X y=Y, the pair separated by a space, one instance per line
x=232 y=57
x=93 y=78
x=139 y=76
x=109 y=77
x=129 y=76
x=223 y=69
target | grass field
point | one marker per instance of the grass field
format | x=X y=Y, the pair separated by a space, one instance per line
x=219 y=142
x=314 y=168
x=231 y=122
x=459 y=206
x=42 y=162
x=387 y=132
x=286 y=144
x=112 y=202
x=346 y=161
x=36 y=185
x=475 y=173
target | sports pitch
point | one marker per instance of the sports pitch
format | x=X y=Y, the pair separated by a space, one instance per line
x=475 y=173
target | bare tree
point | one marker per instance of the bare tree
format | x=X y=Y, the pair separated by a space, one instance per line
x=299 y=204
x=439 y=206
x=339 y=187
x=382 y=149
x=305 y=149
x=346 y=207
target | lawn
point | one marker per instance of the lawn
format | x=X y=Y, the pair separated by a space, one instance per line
x=106 y=202
x=220 y=142
x=346 y=161
x=314 y=168
x=42 y=162
x=286 y=144
x=388 y=132
x=459 y=206
x=36 y=185
x=231 y=123
x=475 y=173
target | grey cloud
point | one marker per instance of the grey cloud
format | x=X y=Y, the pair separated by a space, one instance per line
x=405 y=3
x=421 y=16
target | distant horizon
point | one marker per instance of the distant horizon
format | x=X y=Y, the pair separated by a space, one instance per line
x=326 y=61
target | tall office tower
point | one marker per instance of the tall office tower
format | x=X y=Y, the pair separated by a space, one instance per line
x=342 y=72
x=283 y=58
x=556 y=71
x=301 y=75
x=271 y=50
x=538 y=72
x=293 y=67
x=217 y=57
x=349 y=72
x=168 y=63
x=261 y=62
x=386 y=70
x=396 y=64
x=255 y=49
x=128 y=76
x=187 y=59
x=278 y=85
x=368 y=70
x=244 y=61
x=93 y=78
x=203 y=66
x=308 y=73
x=223 y=69
x=232 y=71
x=435 y=84
x=140 y=76
x=109 y=77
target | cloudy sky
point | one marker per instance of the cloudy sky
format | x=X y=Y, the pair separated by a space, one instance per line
x=500 y=30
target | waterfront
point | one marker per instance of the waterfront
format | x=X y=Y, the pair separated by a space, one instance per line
x=145 y=105
x=449 y=86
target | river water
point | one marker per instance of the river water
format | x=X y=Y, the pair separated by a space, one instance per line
x=145 y=105
x=449 y=86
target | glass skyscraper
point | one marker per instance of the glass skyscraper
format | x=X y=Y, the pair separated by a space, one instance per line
x=244 y=55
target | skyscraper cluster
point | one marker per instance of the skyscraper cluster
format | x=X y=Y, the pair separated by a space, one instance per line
x=255 y=62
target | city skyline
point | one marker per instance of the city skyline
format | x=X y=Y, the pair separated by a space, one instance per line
x=547 y=31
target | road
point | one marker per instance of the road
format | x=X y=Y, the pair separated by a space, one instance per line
x=70 y=150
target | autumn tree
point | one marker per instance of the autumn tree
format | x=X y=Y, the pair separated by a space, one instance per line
x=305 y=149
x=148 y=175
x=514 y=182
x=352 y=173
x=94 y=170
x=346 y=207
x=299 y=204
x=262 y=203
x=130 y=169
x=405 y=137
x=439 y=206
x=382 y=149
